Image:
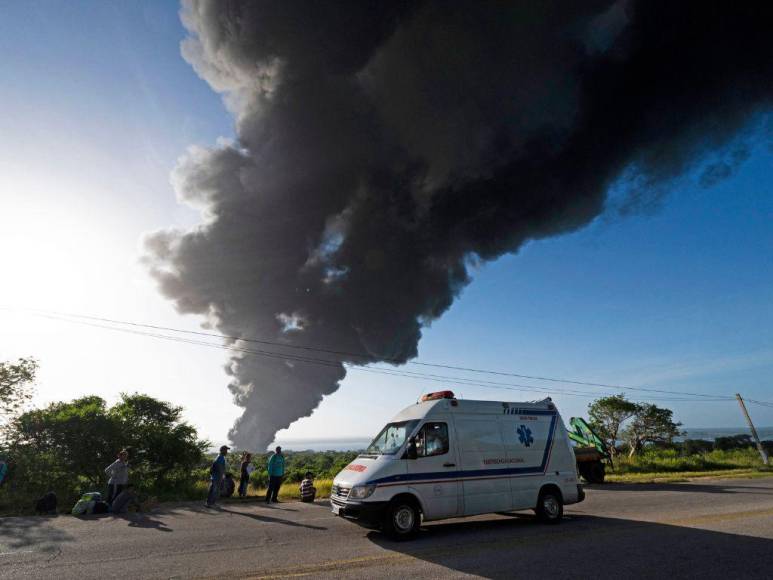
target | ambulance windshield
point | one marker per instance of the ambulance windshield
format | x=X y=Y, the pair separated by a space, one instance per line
x=391 y=438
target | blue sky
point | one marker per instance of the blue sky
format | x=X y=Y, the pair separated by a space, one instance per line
x=98 y=105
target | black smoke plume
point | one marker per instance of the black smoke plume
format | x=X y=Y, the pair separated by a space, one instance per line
x=383 y=146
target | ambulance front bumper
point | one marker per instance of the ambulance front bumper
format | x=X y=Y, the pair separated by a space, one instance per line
x=366 y=513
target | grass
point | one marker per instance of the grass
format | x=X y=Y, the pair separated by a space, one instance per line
x=288 y=491
x=675 y=476
x=664 y=465
x=670 y=460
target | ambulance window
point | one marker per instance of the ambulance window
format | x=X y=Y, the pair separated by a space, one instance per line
x=432 y=440
x=391 y=438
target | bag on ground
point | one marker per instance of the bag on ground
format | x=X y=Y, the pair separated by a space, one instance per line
x=85 y=505
x=46 y=504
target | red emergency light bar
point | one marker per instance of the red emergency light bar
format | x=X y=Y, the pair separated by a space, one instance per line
x=437 y=395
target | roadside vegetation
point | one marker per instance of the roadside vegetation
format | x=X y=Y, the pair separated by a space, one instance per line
x=288 y=491
x=641 y=439
x=676 y=464
x=65 y=446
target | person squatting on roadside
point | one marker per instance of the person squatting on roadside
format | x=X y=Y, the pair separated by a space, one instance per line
x=276 y=471
x=246 y=470
x=307 y=489
x=128 y=497
x=216 y=473
x=118 y=474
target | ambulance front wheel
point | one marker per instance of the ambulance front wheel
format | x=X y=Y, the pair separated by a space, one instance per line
x=550 y=507
x=402 y=519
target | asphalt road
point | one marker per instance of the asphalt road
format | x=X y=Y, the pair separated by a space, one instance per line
x=713 y=529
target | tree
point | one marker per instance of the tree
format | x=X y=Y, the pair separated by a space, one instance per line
x=16 y=384
x=163 y=447
x=607 y=414
x=651 y=424
x=74 y=441
x=78 y=436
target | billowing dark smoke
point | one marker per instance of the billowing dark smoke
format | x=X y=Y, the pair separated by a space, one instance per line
x=382 y=146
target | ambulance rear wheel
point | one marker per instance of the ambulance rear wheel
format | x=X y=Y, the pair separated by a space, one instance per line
x=402 y=519
x=550 y=507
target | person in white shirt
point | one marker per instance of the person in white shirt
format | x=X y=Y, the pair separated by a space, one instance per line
x=118 y=474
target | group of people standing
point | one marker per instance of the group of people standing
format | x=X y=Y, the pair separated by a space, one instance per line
x=120 y=493
x=217 y=472
x=276 y=473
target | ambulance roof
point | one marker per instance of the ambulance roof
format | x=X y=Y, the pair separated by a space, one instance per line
x=429 y=409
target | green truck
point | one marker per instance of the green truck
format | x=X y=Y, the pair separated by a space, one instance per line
x=591 y=453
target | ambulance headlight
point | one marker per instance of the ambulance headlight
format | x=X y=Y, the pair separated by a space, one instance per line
x=362 y=491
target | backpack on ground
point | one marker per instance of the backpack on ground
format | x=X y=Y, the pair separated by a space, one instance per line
x=46 y=504
x=85 y=504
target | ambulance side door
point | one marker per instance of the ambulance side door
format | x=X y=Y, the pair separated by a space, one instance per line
x=432 y=473
x=485 y=481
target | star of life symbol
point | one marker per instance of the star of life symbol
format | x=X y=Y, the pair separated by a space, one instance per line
x=524 y=435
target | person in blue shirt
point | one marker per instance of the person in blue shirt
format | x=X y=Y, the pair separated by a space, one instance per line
x=276 y=471
x=216 y=473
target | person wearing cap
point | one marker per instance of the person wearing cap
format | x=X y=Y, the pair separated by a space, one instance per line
x=216 y=473
x=276 y=471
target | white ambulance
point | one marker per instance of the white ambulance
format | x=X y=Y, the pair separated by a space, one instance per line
x=446 y=458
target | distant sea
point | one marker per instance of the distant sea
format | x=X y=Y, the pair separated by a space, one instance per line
x=356 y=444
x=711 y=433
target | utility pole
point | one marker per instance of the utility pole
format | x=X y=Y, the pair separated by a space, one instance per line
x=760 y=448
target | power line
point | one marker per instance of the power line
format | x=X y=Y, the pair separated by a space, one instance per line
x=445 y=379
x=498 y=385
x=369 y=357
x=465 y=381
x=272 y=354
x=386 y=359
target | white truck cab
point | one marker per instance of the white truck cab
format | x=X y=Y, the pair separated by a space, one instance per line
x=446 y=458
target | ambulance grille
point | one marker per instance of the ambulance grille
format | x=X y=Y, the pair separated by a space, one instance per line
x=339 y=492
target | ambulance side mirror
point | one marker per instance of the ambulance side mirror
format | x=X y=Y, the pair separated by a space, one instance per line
x=410 y=450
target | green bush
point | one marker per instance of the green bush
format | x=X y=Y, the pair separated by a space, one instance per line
x=66 y=446
x=259 y=479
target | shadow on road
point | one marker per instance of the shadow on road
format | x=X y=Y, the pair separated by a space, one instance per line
x=690 y=487
x=284 y=507
x=270 y=520
x=21 y=533
x=145 y=521
x=585 y=547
